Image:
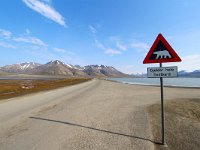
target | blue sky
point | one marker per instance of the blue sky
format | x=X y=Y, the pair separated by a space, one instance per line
x=118 y=33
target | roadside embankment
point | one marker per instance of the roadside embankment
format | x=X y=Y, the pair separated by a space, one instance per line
x=182 y=124
x=13 y=88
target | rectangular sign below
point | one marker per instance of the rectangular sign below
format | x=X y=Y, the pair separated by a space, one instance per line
x=165 y=72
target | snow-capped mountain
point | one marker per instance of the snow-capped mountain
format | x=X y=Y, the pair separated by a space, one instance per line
x=60 y=68
x=103 y=71
x=139 y=75
x=55 y=62
x=184 y=73
x=79 y=67
x=29 y=65
x=20 y=68
x=196 y=71
x=53 y=68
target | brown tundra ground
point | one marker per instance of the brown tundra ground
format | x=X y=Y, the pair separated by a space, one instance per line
x=17 y=87
x=98 y=115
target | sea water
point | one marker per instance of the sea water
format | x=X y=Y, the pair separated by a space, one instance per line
x=178 y=82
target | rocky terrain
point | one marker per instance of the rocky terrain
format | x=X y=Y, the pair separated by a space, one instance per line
x=182 y=73
x=59 y=68
x=195 y=73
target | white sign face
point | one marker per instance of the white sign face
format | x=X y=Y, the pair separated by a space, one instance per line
x=165 y=72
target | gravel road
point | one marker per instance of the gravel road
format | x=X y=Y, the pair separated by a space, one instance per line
x=96 y=115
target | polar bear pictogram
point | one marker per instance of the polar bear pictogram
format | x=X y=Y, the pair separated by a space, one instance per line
x=162 y=54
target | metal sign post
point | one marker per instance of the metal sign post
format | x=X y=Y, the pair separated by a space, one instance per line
x=162 y=110
x=161 y=52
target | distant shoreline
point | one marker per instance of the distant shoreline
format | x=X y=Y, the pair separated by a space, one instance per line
x=154 y=85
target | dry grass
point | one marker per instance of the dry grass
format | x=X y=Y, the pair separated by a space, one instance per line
x=12 y=88
x=182 y=121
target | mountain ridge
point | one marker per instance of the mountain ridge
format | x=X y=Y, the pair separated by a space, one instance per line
x=58 y=67
x=182 y=73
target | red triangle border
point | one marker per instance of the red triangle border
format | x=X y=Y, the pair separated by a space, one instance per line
x=175 y=58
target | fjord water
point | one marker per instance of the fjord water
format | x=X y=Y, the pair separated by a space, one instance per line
x=178 y=82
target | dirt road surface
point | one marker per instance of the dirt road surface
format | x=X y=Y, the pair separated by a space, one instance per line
x=96 y=115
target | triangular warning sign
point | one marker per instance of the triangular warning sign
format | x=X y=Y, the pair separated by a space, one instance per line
x=161 y=52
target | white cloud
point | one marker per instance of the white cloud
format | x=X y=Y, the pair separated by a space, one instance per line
x=140 y=46
x=46 y=10
x=112 y=52
x=108 y=51
x=189 y=63
x=129 y=69
x=32 y=40
x=118 y=43
x=121 y=46
x=34 y=47
x=92 y=29
x=28 y=31
x=6 y=45
x=70 y=53
x=99 y=45
x=47 y=1
x=5 y=33
x=114 y=38
x=60 y=50
x=118 y=46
